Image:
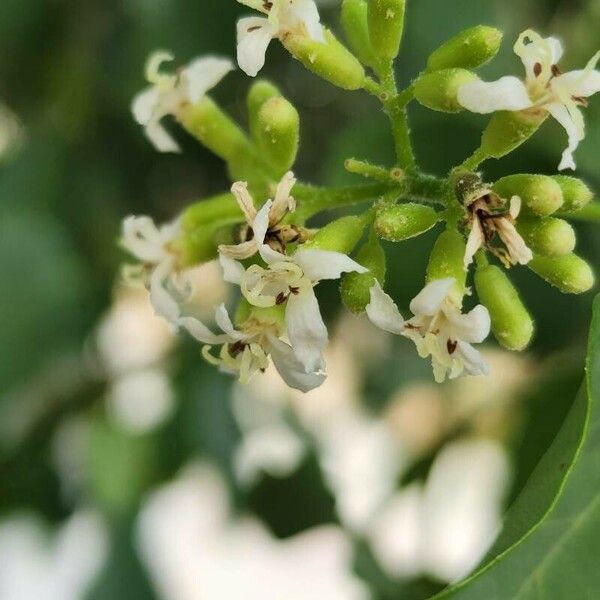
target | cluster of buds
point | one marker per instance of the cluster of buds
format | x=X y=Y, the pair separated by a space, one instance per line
x=275 y=260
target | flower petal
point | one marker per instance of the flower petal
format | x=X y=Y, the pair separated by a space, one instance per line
x=142 y=238
x=383 y=312
x=283 y=202
x=291 y=369
x=165 y=305
x=224 y=322
x=473 y=360
x=306 y=330
x=574 y=133
x=534 y=50
x=475 y=241
x=239 y=251
x=260 y=225
x=233 y=271
x=474 y=327
x=306 y=13
x=325 y=264
x=161 y=139
x=144 y=105
x=201 y=332
x=581 y=84
x=254 y=35
x=204 y=74
x=507 y=93
x=430 y=299
x=240 y=190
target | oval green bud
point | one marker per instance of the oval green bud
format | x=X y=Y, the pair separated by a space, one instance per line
x=259 y=93
x=576 y=194
x=447 y=260
x=356 y=28
x=508 y=130
x=399 y=222
x=569 y=273
x=549 y=236
x=278 y=134
x=386 y=25
x=439 y=90
x=332 y=60
x=512 y=324
x=469 y=49
x=355 y=287
x=540 y=194
x=339 y=236
x=216 y=130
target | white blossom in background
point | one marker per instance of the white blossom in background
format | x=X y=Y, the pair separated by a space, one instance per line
x=12 y=132
x=545 y=88
x=485 y=224
x=170 y=92
x=38 y=565
x=193 y=548
x=254 y=34
x=438 y=328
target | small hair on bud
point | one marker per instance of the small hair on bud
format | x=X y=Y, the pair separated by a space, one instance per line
x=386 y=26
x=399 y=222
x=569 y=273
x=439 y=90
x=576 y=194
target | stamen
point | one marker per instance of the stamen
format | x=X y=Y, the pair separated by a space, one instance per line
x=537 y=69
x=556 y=70
x=451 y=346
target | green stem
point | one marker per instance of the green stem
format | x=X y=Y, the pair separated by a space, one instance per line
x=481 y=259
x=395 y=108
x=471 y=163
x=426 y=188
x=360 y=167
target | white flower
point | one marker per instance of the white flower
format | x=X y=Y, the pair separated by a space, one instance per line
x=246 y=352
x=485 y=224
x=276 y=234
x=439 y=329
x=545 y=88
x=153 y=247
x=254 y=34
x=290 y=280
x=169 y=93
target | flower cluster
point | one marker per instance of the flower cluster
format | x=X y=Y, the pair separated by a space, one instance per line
x=269 y=253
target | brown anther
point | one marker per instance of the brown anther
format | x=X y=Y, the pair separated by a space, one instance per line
x=580 y=100
x=236 y=348
x=254 y=28
x=410 y=326
x=537 y=69
x=556 y=70
x=267 y=5
x=295 y=290
x=451 y=346
x=281 y=298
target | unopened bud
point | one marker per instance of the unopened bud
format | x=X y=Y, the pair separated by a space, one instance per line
x=330 y=60
x=338 y=236
x=508 y=130
x=355 y=287
x=278 y=134
x=198 y=242
x=216 y=130
x=576 y=194
x=540 y=194
x=399 y=222
x=469 y=49
x=549 y=236
x=356 y=28
x=511 y=322
x=259 y=93
x=386 y=25
x=569 y=273
x=447 y=260
x=272 y=315
x=439 y=90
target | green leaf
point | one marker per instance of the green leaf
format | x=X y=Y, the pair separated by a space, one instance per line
x=549 y=546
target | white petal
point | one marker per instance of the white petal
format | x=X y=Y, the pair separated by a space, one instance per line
x=430 y=299
x=260 y=224
x=475 y=241
x=325 y=264
x=142 y=238
x=201 y=332
x=144 y=105
x=224 y=322
x=533 y=49
x=507 y=93
x=473 y=327
x=233 y=271
x=306 y=329
x=161 y=139
x=283 y=202
x=165 y=305
x=239 y=251
x=383 y=312
x=574 y=133
x=271 y=256
x=515 y=207
x=240 y=190
x=291 y=369
x=474 y=362
x=580 y=83
x=203 y=74
x=253 y=37
x=307 y=13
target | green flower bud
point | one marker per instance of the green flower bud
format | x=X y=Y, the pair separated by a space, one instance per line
x=216 y=130
x=569 y=273
x=272 y=314
x=386 y=24
x=549 y=236
x=198 y=243
x=399 y=222
x=469 y=49
x=447 y=260
x=508 y=130
x=356 y=28
x=278 y=134
x=439 y=90
x=355 y=287
x=339 y=236
x=259 y=93
x=576 y=194
x=511 y=322
x=540 y=194
x=331 y=61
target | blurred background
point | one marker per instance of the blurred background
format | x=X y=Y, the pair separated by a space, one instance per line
x=129 y=468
